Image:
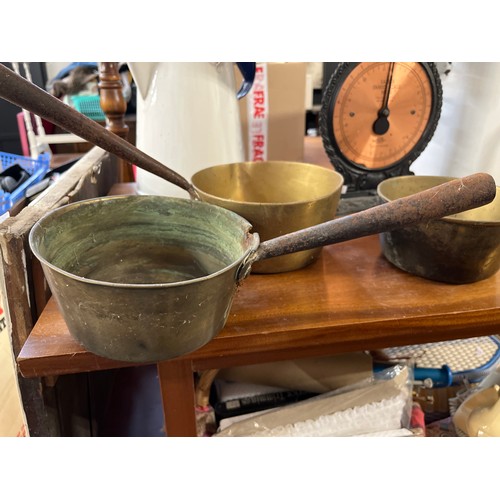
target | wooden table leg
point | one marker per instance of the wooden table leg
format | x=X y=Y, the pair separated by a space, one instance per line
x=178 y=396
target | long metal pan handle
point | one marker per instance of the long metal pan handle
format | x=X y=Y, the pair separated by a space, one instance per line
x=446 y=199
x=22 y=93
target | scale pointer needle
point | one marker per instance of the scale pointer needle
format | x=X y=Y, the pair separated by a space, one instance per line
x=381 y=124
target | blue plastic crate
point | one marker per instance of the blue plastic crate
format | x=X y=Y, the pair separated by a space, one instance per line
x=37 y=168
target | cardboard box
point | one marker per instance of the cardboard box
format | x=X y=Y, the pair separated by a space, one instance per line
x=273 y=113
x=12 y=421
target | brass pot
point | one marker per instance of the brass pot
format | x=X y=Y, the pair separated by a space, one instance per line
x=277 y=198
x=460 y=248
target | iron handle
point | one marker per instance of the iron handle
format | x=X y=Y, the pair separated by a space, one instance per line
x=449 y=198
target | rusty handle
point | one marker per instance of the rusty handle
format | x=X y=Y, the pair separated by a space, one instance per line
x=22 y=93
x=446 y=199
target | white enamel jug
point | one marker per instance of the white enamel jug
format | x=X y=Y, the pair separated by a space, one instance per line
x=187 y=118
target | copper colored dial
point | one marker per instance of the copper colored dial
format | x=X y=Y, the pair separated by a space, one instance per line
x=381 y=112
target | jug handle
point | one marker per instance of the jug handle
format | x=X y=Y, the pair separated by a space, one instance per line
x=247 y=70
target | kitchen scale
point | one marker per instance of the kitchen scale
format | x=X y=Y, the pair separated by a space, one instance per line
x=376 y=118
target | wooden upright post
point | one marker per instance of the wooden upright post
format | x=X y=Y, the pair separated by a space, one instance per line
x=114 y=107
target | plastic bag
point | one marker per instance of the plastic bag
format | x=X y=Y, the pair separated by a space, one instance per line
x=380 y=405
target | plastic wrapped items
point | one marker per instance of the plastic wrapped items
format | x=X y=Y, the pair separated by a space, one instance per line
x=379 y=406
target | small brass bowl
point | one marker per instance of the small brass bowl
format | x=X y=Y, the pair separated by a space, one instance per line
x=277 y=198
x=461 y=248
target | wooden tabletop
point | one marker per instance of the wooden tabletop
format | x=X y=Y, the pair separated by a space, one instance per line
x=350 y=299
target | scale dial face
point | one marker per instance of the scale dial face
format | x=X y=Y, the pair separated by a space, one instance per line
x=379 y=116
